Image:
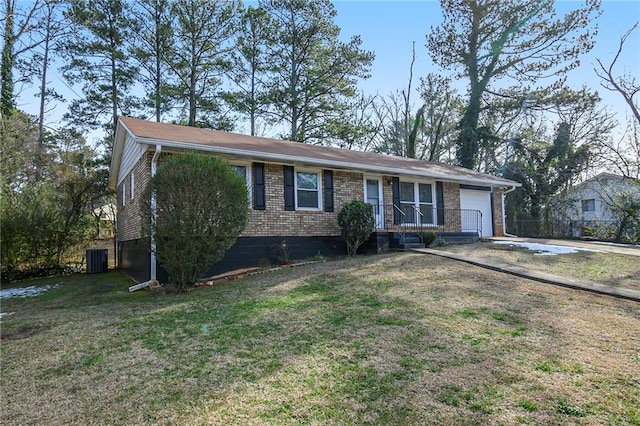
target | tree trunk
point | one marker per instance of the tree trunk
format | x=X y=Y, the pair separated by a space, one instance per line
x=467 y=144
x=6 y=68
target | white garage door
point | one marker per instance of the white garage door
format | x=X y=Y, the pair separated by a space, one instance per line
x=471 y=199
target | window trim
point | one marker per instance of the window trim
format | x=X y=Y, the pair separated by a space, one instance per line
x=318 y=190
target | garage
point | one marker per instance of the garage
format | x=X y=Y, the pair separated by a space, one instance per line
x=477 y=198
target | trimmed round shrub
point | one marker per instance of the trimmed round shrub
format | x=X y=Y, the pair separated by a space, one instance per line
x=357 y=222
x=202 y=207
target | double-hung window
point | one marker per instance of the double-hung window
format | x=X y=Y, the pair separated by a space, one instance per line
x=416 y=202
x=307 y=190
x=243 y=172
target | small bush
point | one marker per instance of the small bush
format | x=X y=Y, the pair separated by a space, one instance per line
x=440 y=242
x=428 y=237
x=357 y=222
x=282 y=252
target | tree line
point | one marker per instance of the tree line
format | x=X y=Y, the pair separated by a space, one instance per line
x=283 y=69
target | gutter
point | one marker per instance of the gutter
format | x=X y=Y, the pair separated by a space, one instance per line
x=504 y=218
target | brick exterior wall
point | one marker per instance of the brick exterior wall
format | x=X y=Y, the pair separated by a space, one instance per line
x=276 y=221
x=451 y=195
x=497 y=212
x=128 y=218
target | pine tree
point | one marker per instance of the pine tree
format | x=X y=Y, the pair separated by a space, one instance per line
x=151 y=23
x=314 y=71
x=98 y=60
x=202 y=42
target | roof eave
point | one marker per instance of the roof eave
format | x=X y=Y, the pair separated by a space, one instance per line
x=319 y=162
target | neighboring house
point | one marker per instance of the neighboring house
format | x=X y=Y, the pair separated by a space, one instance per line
x=593 y=199
x=297 y=191
x=105 y=216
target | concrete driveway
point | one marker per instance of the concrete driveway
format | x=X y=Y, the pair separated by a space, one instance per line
x=496 y=265
x=630 y=249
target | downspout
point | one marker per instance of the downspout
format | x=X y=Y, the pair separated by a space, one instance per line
x=152 y=258
x=504 y=217
x=154 y=167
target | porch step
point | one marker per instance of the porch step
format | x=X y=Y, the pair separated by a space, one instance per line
x=409 y=239
x=409 y=246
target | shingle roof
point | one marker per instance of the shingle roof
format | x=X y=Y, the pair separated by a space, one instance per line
x=275 y=150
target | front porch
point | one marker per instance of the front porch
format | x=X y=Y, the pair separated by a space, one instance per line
x=401 y=226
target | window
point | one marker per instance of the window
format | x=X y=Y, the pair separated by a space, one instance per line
x=133 y=184
x=588 y=205
x=243 y=172
x=407 y=202
x=240 y=171
x=416 y=201
x=124 y=194
x=307 y=190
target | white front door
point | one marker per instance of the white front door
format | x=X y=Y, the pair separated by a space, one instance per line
x=472 y=199
x=373 y=196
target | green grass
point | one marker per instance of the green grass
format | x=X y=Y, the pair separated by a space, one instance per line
x=385 y=340
x=528 y=405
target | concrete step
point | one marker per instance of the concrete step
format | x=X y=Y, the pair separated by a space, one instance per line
x=409 y=238
x=409 y=246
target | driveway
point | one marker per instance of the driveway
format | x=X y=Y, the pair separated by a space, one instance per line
x=630 y=249
x=497 y=264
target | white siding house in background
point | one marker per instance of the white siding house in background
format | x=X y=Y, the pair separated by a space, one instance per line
x=592 y=199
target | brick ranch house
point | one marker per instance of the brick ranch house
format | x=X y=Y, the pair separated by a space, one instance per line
x=297 y=191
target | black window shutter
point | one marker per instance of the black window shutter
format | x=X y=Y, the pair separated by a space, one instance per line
x=327 y=188
x=259 y=200
x=289 y=189
x=440 y=202
x=395 y=190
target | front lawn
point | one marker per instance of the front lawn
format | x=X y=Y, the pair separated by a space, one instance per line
x=390 y=339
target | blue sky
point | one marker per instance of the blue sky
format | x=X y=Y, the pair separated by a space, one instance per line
x=388 y=28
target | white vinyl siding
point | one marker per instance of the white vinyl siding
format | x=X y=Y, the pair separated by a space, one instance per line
x=131 y=154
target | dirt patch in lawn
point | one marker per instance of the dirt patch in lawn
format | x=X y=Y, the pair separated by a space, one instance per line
x=616 y=270
x=22 y=332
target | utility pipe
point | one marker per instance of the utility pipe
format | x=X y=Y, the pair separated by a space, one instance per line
x=154 y=167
